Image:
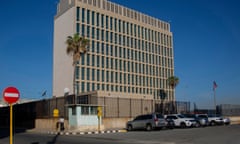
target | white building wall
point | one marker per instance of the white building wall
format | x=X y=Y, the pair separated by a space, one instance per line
x=62 y=63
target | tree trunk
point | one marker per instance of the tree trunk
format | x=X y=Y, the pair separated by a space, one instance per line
x=74 y=83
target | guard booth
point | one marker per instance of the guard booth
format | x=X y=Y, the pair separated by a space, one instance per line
x=85 y=117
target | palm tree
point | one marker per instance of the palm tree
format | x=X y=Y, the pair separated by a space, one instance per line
x=173 y=81
x=76 y=45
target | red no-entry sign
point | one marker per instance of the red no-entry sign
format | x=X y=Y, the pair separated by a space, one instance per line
x=11 y=95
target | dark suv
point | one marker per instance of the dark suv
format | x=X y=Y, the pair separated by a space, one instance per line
x=149 y=122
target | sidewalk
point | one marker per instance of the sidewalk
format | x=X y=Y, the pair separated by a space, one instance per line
x=84 y=133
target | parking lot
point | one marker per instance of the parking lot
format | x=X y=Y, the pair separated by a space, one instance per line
x=208 y=135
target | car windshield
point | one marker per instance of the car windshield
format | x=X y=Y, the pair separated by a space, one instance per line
x=202 y=116
x=159 y=116
x=181 y=116
x=189 y=115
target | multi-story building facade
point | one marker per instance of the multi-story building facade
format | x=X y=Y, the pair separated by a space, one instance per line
x=130 y=53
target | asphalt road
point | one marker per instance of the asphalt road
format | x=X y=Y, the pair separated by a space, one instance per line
x=209 y=135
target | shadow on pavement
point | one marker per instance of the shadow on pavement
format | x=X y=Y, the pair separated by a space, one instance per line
x=5 y=132
x=54 y=139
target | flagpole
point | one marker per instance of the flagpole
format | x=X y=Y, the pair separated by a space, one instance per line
x=215 y=101
x=214 y=91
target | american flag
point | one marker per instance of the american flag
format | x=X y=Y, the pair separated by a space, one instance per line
x=214 y=85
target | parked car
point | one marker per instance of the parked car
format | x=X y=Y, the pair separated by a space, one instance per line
x=181 y=121
x=201 y=119
x=149 y=122
x=215 y=120
x=204 y=116
x=226 y=121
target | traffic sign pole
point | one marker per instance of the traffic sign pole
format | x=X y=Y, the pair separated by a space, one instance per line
x=11 y=125
x=11 y=95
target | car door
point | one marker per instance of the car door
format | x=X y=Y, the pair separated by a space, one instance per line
x=176 y=120
x=137 y=122
x=161 y=120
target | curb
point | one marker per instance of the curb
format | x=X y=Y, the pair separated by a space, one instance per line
x=87 y=133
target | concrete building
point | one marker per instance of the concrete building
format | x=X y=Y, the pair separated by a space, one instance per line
x=130 y=54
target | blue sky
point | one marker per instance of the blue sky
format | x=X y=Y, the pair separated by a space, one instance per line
x=206 y=37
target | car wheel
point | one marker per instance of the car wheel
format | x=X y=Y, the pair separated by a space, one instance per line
x=183 y=125
x=212 y=123
x=129 y=128
x=170 y=125
x=197 y=125
x=149 y=127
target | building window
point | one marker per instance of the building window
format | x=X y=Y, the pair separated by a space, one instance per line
x=93 y=18
x=111 y=63
x=103 y=87
x=83 y=73
x=88 y=74
x=98 y=75
x=93 y=74
x=83 y=15
x=111 y=50
x=85 y=110
x=103 y=61
x=83 y=30
x=78 y=13
x=77 y=73
x=107 y=33
x=107 y=49
x=83 y=86
x=77 y=87
x=120 y=77
x=111 y=23
x=119 y=25
x=98 y=19
x=88 y=16
x=98 y=86
x=78 y=28
x=88 y=87
x=93 y=60
x=107 y=62
x=106 y=22
x=93 y=110
x=116 y=51
x=103 y=78
x=115 y=24
x=93 y=32
x=102 y=48
x=74 y=110
x=88 y=59
x=102 y=20
x=116 y=77
x=112 y=77
x=116 y=64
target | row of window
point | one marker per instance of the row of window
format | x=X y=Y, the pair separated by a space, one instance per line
x=85 y=110
x=119 y=77
x=105 y=22
x=138 y=45
x=115 y=8
x=126 y=65
x=116 y=38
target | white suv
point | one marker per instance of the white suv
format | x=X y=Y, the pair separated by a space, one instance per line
x=181 y=121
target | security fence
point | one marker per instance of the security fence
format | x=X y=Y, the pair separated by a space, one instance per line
x=112 y=107
x=229 y=109
x=26 y=113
